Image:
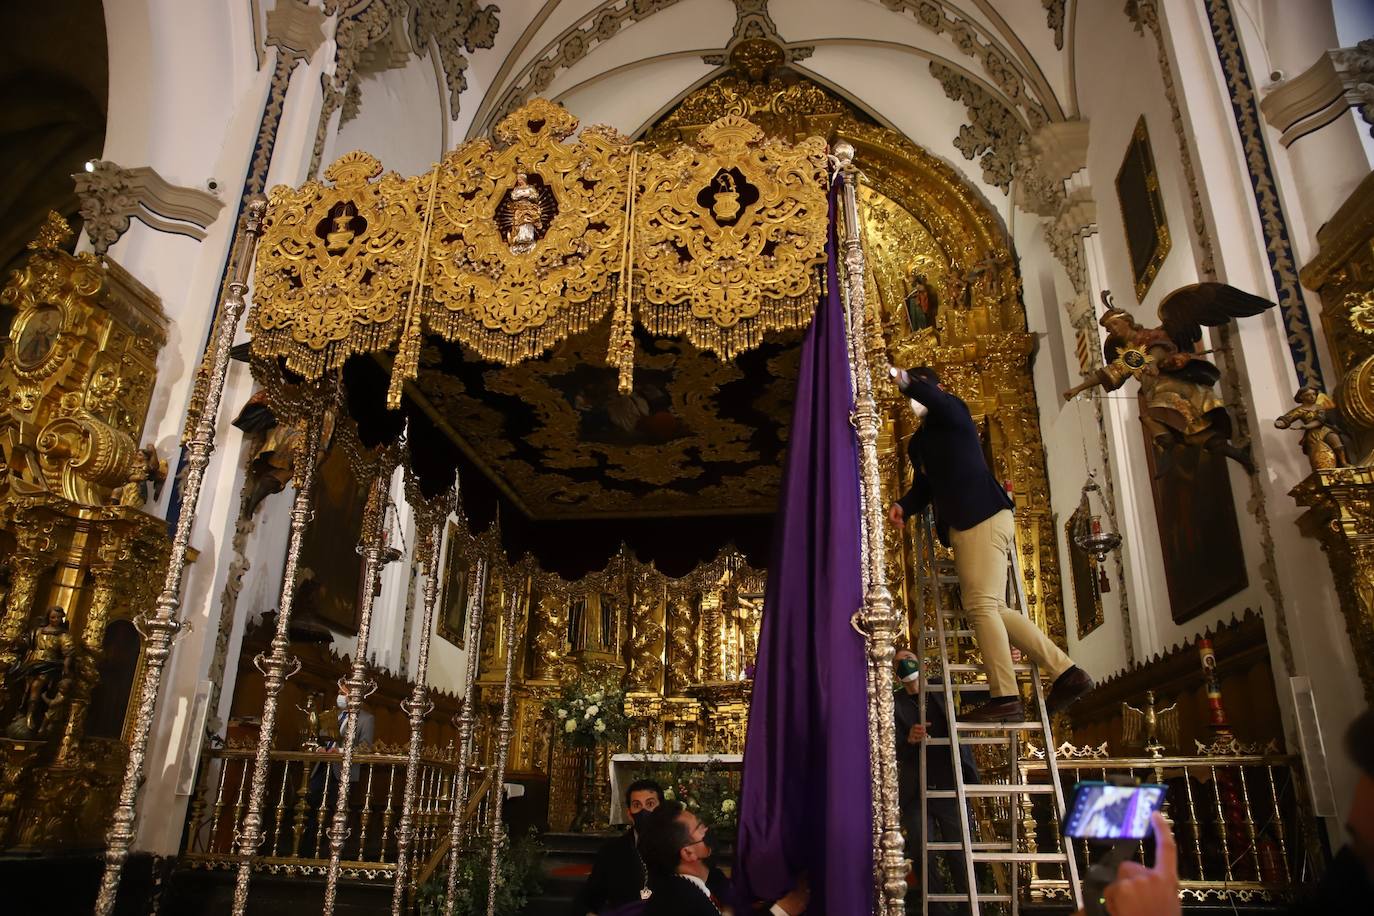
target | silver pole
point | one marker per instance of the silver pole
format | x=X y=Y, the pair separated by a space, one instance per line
x=374 y=526
x=417 y=707
x=273 y=668
x=879 y=616
x=164 y=623
x=465 y=719
x=503 y=732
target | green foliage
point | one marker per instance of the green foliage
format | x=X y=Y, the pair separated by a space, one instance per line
x=518 y=880
x=709 y=789
x=587 y=713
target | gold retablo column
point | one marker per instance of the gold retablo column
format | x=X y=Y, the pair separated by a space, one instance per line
x=878 y=616
x=163 y=625
x=273 y=668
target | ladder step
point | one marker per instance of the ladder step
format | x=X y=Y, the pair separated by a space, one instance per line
x=966 y=742
x=936 y=686
x=991 y=790
x=1019 y=667
x=934 y=638
x=1050 y=858
x=963 y=898
x=941 y=846
x=998 y=726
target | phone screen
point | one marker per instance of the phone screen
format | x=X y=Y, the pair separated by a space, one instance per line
x=1102 y=811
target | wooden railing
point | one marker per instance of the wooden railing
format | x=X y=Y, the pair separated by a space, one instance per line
x=302 y=787
x=1240 y=814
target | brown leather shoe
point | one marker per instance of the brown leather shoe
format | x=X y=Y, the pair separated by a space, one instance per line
x=1068 y=688
x=1006 y=709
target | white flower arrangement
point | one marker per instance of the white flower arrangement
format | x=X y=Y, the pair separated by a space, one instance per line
x=570 y=726
x=592 y=714
x=592 y=711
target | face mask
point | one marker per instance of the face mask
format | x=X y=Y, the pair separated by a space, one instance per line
x=640 y=818
x=342 y=701
x=908 y=670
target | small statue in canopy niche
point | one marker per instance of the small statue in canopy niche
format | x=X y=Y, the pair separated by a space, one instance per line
x=1181 y=404
x=43 y=676
x=525 y=213
x=1324 y=440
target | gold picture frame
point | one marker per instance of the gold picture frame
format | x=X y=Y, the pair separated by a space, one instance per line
x=452 y=621
x=1142 y=211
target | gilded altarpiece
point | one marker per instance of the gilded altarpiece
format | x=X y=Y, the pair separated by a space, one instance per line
x=80 y=557
x=1341 y=500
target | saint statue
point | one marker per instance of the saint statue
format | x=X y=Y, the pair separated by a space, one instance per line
x=1324 y=441
x=920 y=304
x=526 y=216
x=44 y=674
x=1182 y=407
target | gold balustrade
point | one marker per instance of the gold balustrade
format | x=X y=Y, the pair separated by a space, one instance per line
x=301 y=788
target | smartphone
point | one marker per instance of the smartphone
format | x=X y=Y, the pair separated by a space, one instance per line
x=1103 y=811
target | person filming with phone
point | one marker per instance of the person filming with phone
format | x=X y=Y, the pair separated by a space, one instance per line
x=973 y=515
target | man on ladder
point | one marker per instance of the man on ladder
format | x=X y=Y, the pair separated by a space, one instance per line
x=973 y=516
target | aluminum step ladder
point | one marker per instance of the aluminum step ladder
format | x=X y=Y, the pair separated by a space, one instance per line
x=952 y=678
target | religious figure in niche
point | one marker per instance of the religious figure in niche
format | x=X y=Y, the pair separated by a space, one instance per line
x=43 y=676
x=1324 y=440
x=343 y=228
x=920 y=304
x=525 y=213
x=1181 y=405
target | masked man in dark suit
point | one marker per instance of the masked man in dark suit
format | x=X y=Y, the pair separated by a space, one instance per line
x=619 y=875
x=677 y=846
x=973 y=515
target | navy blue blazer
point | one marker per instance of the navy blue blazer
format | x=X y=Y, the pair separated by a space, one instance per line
x=950 y=468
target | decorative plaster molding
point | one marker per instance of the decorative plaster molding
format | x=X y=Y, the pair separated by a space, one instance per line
x=295 y=28
x=372 y=36
x=1061 y=148
x=993 y=131
x=1340 y=79
x=111 y=196
x=1054 y=18
x=997 y=63
x=754 y=24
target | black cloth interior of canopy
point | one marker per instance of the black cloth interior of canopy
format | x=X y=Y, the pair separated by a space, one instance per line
x=570 y=548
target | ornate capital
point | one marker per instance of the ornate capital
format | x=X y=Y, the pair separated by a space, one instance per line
x=1340 y=78
x=112 y=195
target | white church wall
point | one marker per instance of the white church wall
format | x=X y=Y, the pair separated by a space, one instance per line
x=1316 y=644
x=400 y=120
x=447 y=662
x=186 y=97
x=1118 y=82
x=1065 y=430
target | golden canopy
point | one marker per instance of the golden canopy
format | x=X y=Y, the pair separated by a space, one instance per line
x=511 y=247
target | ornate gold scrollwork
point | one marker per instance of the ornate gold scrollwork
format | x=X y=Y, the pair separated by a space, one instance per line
x=727 y=236
x=337 y=266
x=526 y=239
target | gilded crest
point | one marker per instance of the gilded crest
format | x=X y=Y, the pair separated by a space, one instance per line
x=337 y=265
x=730 y=230
x=527 y=237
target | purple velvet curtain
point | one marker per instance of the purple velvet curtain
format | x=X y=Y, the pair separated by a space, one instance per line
x=805 y=804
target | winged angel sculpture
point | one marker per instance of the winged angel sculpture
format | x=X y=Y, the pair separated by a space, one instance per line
x=1182 y=407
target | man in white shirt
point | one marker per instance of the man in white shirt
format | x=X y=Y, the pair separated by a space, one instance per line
x=677 y=847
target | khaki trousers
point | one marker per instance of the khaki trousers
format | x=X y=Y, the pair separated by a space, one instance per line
x=980 y=559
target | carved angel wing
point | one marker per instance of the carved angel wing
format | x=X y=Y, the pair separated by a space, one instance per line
x=1185 y=310
x=1168 y=726
x=1132 y=725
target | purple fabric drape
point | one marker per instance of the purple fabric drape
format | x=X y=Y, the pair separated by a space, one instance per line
x=805 y=803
